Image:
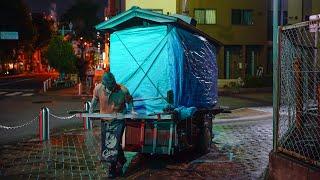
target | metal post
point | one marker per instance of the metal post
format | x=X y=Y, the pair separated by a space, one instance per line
x=44 y=86
x=49 y=84
x=155 y=133
x=79 y=89
x=40 y=125
x=170 y=138
x=275 y=71
x=315 y=61
x=44 y=129
x=87 y=123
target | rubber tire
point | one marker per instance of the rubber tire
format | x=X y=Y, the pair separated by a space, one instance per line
x=205 y=141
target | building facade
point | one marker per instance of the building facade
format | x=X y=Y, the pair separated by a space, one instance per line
x=167 y=7
x=300 y=10
x=241 y=26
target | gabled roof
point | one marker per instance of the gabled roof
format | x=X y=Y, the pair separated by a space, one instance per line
x=134 y=14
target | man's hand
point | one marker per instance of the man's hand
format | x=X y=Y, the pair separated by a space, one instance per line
x=133 y=113
x=94 y=102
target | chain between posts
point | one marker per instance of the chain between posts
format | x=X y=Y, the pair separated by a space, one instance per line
x=62 y=117
x=20 y=126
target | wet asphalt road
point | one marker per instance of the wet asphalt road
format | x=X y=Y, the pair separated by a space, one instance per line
x=30 y=83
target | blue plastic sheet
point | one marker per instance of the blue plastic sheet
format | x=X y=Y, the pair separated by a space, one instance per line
x=150 y=61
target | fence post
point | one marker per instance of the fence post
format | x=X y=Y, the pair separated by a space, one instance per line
x=44 y=128
x=87 y=123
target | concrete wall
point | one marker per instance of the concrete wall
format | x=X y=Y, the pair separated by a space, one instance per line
x=315 y=6
x=230 y=34
x=241 y=36
x=168 y=6
x=298 y=10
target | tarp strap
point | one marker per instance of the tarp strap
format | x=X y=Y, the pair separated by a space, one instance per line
x=146 y=73
x=149 y=78
x=147 y=56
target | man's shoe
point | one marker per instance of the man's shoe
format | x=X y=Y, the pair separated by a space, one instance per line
x=112 y=171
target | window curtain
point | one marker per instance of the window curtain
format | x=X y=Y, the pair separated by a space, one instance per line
x=199 y=16
x=247 y=17
x=210 y=16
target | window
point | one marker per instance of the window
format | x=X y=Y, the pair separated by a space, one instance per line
x=242 y=17
x=205 y=16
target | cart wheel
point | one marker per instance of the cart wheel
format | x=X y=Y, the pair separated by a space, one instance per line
x=205 y=141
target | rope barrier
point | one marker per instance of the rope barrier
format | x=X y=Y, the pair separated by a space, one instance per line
x=20 y=126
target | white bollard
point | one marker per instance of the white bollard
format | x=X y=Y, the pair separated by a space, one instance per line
x=49 y=84
x=80 y=89
x=44 y=86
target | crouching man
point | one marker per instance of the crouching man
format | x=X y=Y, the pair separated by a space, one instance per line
x=112 y=98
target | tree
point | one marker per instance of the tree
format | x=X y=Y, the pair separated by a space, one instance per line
x=83 y=15
x=15 y=16
x=61 y=56
x=44 y=29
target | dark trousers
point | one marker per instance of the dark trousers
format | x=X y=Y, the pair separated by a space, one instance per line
x=111 y=136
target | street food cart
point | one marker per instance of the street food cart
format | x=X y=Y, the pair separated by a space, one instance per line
x=169 y=67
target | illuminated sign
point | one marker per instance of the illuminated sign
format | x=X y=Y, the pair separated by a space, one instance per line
x=9 y=35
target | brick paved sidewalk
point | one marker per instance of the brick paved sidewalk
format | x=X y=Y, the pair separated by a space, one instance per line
x=75 y=154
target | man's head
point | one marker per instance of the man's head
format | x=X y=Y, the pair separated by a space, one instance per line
x=109 y=81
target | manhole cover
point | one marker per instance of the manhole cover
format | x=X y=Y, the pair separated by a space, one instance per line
x=41 y=102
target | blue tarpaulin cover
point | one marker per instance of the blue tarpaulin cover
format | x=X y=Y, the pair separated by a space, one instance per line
x=150 y=61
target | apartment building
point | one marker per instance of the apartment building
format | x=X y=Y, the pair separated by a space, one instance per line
x=167 y=7
x=242 y=28
x=240 y=25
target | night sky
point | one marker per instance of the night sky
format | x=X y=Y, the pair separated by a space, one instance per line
x=62 y=5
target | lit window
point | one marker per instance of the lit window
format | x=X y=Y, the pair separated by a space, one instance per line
x=242 y=17
x=205 y=16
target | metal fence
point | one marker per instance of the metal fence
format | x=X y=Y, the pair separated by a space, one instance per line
x=298 y=120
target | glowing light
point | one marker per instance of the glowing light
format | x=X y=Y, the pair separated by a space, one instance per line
x=11 y=66
x=103 y=56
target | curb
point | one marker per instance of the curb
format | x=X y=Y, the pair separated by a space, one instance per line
x=226 y=91
x=243 y=119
